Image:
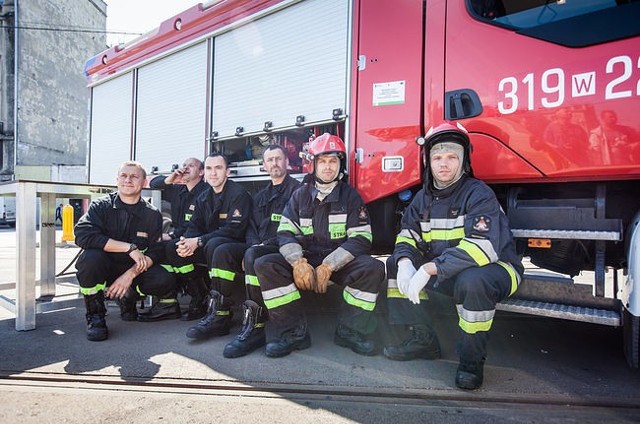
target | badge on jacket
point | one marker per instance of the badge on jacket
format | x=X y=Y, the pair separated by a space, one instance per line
x=481 y=223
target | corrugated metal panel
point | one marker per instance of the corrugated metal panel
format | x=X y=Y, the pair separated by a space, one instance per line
x=110 y=128
x=172 y=109
x=290 y=63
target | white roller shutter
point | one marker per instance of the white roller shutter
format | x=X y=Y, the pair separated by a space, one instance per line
x=292 y=62
x=172 y=109
x=111 y=115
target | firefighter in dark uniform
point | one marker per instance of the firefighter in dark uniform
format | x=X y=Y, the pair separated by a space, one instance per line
x=221 y=216
x=454 y=239
x=325 y=233
x=120 y=236
x=181 y=188
x=268 y=205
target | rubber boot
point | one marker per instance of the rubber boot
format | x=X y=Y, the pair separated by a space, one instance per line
x=470 y=374
x=421 y=344
x=128 y=309
x=216 y=322
x=96 y=325
x=197 y=289
x=251 y=336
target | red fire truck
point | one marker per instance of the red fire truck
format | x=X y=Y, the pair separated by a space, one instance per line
x=549 y=90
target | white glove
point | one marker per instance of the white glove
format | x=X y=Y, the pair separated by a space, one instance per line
x=416 y=284
x=405 y=272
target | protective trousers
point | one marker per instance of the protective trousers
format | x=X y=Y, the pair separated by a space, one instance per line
x=226 y=268
x=475 y=291
x=361 y=280
x=97 y=269
x=251 y=279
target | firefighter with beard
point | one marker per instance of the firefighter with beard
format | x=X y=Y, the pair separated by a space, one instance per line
x=268 y=205
x=454 y=239
x=324 y=233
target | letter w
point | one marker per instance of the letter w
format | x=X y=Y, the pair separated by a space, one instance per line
x=584 y=84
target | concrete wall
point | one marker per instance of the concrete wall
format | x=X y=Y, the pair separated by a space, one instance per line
x=55 y=38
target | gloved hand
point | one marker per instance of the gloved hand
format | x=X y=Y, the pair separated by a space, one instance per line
x=303 y=275
x=323 y=273
x=405 y=272
x=416 y=284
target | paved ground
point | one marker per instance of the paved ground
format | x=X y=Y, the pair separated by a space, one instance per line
x=147 y=372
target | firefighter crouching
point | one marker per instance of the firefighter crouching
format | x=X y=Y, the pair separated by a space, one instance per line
x=120 y=236
x=454 y=239
x=325 y=233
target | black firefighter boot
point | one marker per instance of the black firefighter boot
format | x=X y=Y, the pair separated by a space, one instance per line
x=356 y=341
x=167 y=308
x=252 y=335
x=128 y=309
x=470 y=374
x=422 y=344
x=96 y=324
x=216 y=322
x=197 y=289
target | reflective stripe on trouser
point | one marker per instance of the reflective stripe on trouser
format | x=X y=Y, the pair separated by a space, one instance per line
x=182 y=267
x=475 y=291
x=98 y=269
x=225 y=266
x=252 y=284
x=361 y=280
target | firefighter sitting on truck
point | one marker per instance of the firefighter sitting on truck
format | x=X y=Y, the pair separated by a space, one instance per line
x=221 y=216
x=181 y=188
x=119 y=235
x=454 y=239
x=324 y=233
x=268 y=204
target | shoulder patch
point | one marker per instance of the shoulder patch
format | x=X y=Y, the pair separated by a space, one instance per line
x=482 y=223
x=236 y=214
x=363 y=214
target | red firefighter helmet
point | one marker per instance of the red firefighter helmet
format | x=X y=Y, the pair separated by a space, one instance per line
x=327 y=143
x=448 y=131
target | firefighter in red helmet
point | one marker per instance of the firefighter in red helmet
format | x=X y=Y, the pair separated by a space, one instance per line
x=454 y=239
x=324 y=234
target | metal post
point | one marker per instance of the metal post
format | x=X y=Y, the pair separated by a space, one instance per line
x=47 y=246
x=26 y=247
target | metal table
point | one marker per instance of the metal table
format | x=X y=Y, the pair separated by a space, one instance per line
x=26 y=192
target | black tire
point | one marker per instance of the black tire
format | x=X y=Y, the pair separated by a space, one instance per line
x=631 y=330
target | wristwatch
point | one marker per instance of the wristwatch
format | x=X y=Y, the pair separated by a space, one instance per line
x=132 y=247
x=200 y=244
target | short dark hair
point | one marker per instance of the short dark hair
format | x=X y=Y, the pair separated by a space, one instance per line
x=219 y=155
x=270 y=147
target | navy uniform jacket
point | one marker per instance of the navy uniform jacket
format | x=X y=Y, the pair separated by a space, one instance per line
x=458 y=227
x=182 y=201
x=341 y=220
x=110 y=218
x=224 y=214
x=268 y=205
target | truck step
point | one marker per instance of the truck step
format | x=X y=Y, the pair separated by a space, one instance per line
x=554 y=310
x=567 y=234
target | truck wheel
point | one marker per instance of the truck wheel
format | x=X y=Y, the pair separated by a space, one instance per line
x=631 y=332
